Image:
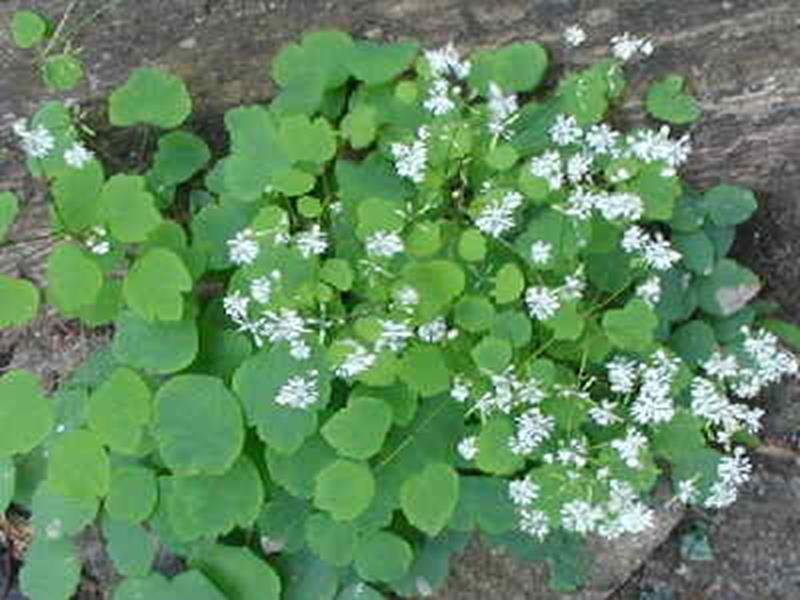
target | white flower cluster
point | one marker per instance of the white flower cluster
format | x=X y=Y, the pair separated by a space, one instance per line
x=436 y=331
x=356 y=362
x=510 y=392
x=533 y=428
x=468 y=447
x=439 y=101
x=732 y=472
x=542 y=302
x=37 y=142
x=654 y=403
x=762 y=363
x=613 y=206
x=650 y=290
x=574 y=36
x=502 y=110
x=630 y=448
x=565 y=130
x=244 y=248
x=395 y=335
x=625 y=46
x=313 y=242
x=78 y=156
x=384 y=244
x=548 y=166
x=623 y=514
x=654 y=251
x=650 y=146
x=446 y=62
x=97 y=241
x=299 y=392
x=497 y=216
x=411 y=159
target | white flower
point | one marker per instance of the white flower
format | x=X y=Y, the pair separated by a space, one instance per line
x=623 y=375
x=542 y=303
x=433 y=332
x=411 y=159
x=601 y=139
x=548 y=167
x=650 y=291
x=578 y=167
x=574 y=285
x=439 y=102
x=580 y=203
x=535 y=523
x=460 y=390
x=620 y=206
x=630 y=447
x=650 y=146
x=394 y=335
x=501 y=109
x=313 y=242
x=77 y=156
x=235 y=305
x=721 y=367
x=356 y=362
x=767 y=363
x=687 y=491
x=565 y=130
x=659 y=254
x=732 y=471
x=497 y=216
x=261 y=290
x=384 y=244
x=541 y=252
x=468 y=447
x=574 y=36
x=603 y=414
x=580 y=516
x=299 y=392
x=523 y=492
x=533 y=428
x=97 y=242
x=407 y=296
x=445 y=61
x=634 y=239
x=625 y=46
x=654 y=403
x=243 y=249
x=284 y=325
x=37 y=143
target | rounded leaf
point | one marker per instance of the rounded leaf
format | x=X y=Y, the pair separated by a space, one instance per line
x=79 y=466
x=359 y=429
x=9 y=208
x=133 y=494
x=74 y=277
x=333 y=541
x=238 y=573
x=20 y=301
x=119 y=409
x=429 y=498
x=128 y=209
x=383 y=556
x=180 y=155
x=23 y=404
x=150 y=96
x=344 y=489
x=155 y=285
x=27 y=28
x=62 y=72
x=666 y=100
x=199 y=426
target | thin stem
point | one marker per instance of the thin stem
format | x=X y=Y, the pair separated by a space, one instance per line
x=59 y=28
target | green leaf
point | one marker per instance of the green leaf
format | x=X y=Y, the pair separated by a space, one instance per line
x=502 y=157
x=429 y=498
x=679 y=438
x=667 y=101
x=23 y=404
x=697 y=251
x=727 y=289
x=729 y=205
x=297 y=472
x=28 y=29
x=382 y=556
x=338 y=273
x=8 y=475
x=9 y=208
x=494 y=450
x=238 y=573
x=79 y=466
x=282 y=521
x=292 y=182
x=77 y=196
x=631 y=327
x=52 y=569
x=472 y=245
x=513 y=326
x=788 y=332
x=130 y=547
x=155 y=284
x=345 y=489
x=694 y=341
x=155 y=347
x=508 y=284
x=74 y=277
x=359 y=591
x=133 y=494
x=306 y=577
x=304 y=140
x=323 y=52
x=358 y=430
x=658 y=191
x=150 y=96
x=258 y=382
x=20 y=301
x=212 y=505
x=424 y=370
x=567 y=323
x=333 y=541
x=62 y=72
x=431 y=566
x=119 y=409
x=214 y=225
x=492 y=354
x=199 y=425
x=128 y=209
x=518 y=67
x=425 y=239
x=58 y=516
x=360 y=127
x=484 y=503
x=189 y=584
x=375 y=63
x=179 y=157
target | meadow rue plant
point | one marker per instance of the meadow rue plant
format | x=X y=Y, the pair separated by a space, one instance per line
x=408 y=305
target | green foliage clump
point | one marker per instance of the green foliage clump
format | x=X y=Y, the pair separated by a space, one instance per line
x=403 y=308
